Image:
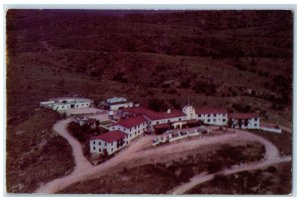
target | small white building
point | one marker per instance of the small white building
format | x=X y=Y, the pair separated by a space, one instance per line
x=58 y=104
x=85 y=121
x=116 y=103
x=244 y=120
x=213 y=116
x=108 y=143
x=133 y=126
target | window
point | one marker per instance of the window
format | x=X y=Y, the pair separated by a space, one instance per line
x=214 y=120
x=208 y=115
x=94 y=148
x=255 y=125
x=99 y=150
x=105 y=144
x=112 y=149
x=255 y=119
x=99 y=143
x=81 y=104
x=215 y=115
x=224 y=120
x=157 y=122
x=199 y=115
x=208 y=120
x=93 y=142
x=63 y=106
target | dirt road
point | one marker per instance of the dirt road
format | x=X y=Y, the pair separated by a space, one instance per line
x=84 y=170
x=202 y=178
x=287 y=129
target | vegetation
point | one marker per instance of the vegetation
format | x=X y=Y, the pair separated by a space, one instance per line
x=32 y=146
x=217 y=58
x=271 y=180
x=283 y=140
x=165 y=175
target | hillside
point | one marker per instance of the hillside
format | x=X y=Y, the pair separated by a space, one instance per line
x=238 y=60
x=216 y=57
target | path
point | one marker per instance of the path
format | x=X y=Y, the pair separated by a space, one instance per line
x=272 y=156
x=202 y=178
x=84 y=170
x=287 y=129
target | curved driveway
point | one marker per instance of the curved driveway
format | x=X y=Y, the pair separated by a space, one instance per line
x=84 y=170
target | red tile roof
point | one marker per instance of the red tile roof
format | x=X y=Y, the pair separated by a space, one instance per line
x=154 y=115
x=243 y=115
x=210 y=111
x=132 y=121
x=110 y=136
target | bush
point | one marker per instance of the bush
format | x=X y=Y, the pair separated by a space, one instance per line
x=271 y=169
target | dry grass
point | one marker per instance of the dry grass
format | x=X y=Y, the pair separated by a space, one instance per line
x=34 y=153
x=275 y=179
x=283 y=140
x=160 y=177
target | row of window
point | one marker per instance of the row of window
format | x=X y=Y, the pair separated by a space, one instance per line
x=168 y=121
x=100 y=150
x=69 y=106
x=214 y=120
x=254 y=125
x=105 y=144
x=211 y=115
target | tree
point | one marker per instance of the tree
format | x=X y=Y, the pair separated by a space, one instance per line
x=157 y=104
x=230 y=123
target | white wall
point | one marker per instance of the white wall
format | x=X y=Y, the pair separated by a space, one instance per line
x=162 y=121
x=132 y=132
x=68 y=105
x=214 y=119
x=121 y=105
x=59 y=105
x=98 y=146
x=253 y=123
x=273 y=130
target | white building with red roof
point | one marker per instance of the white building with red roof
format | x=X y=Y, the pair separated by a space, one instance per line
x=155 y=118
x=214 y=116
x=133 y=126
x=244 y=120
x=108 y=143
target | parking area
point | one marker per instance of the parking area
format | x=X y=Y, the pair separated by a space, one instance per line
x=78 y=111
